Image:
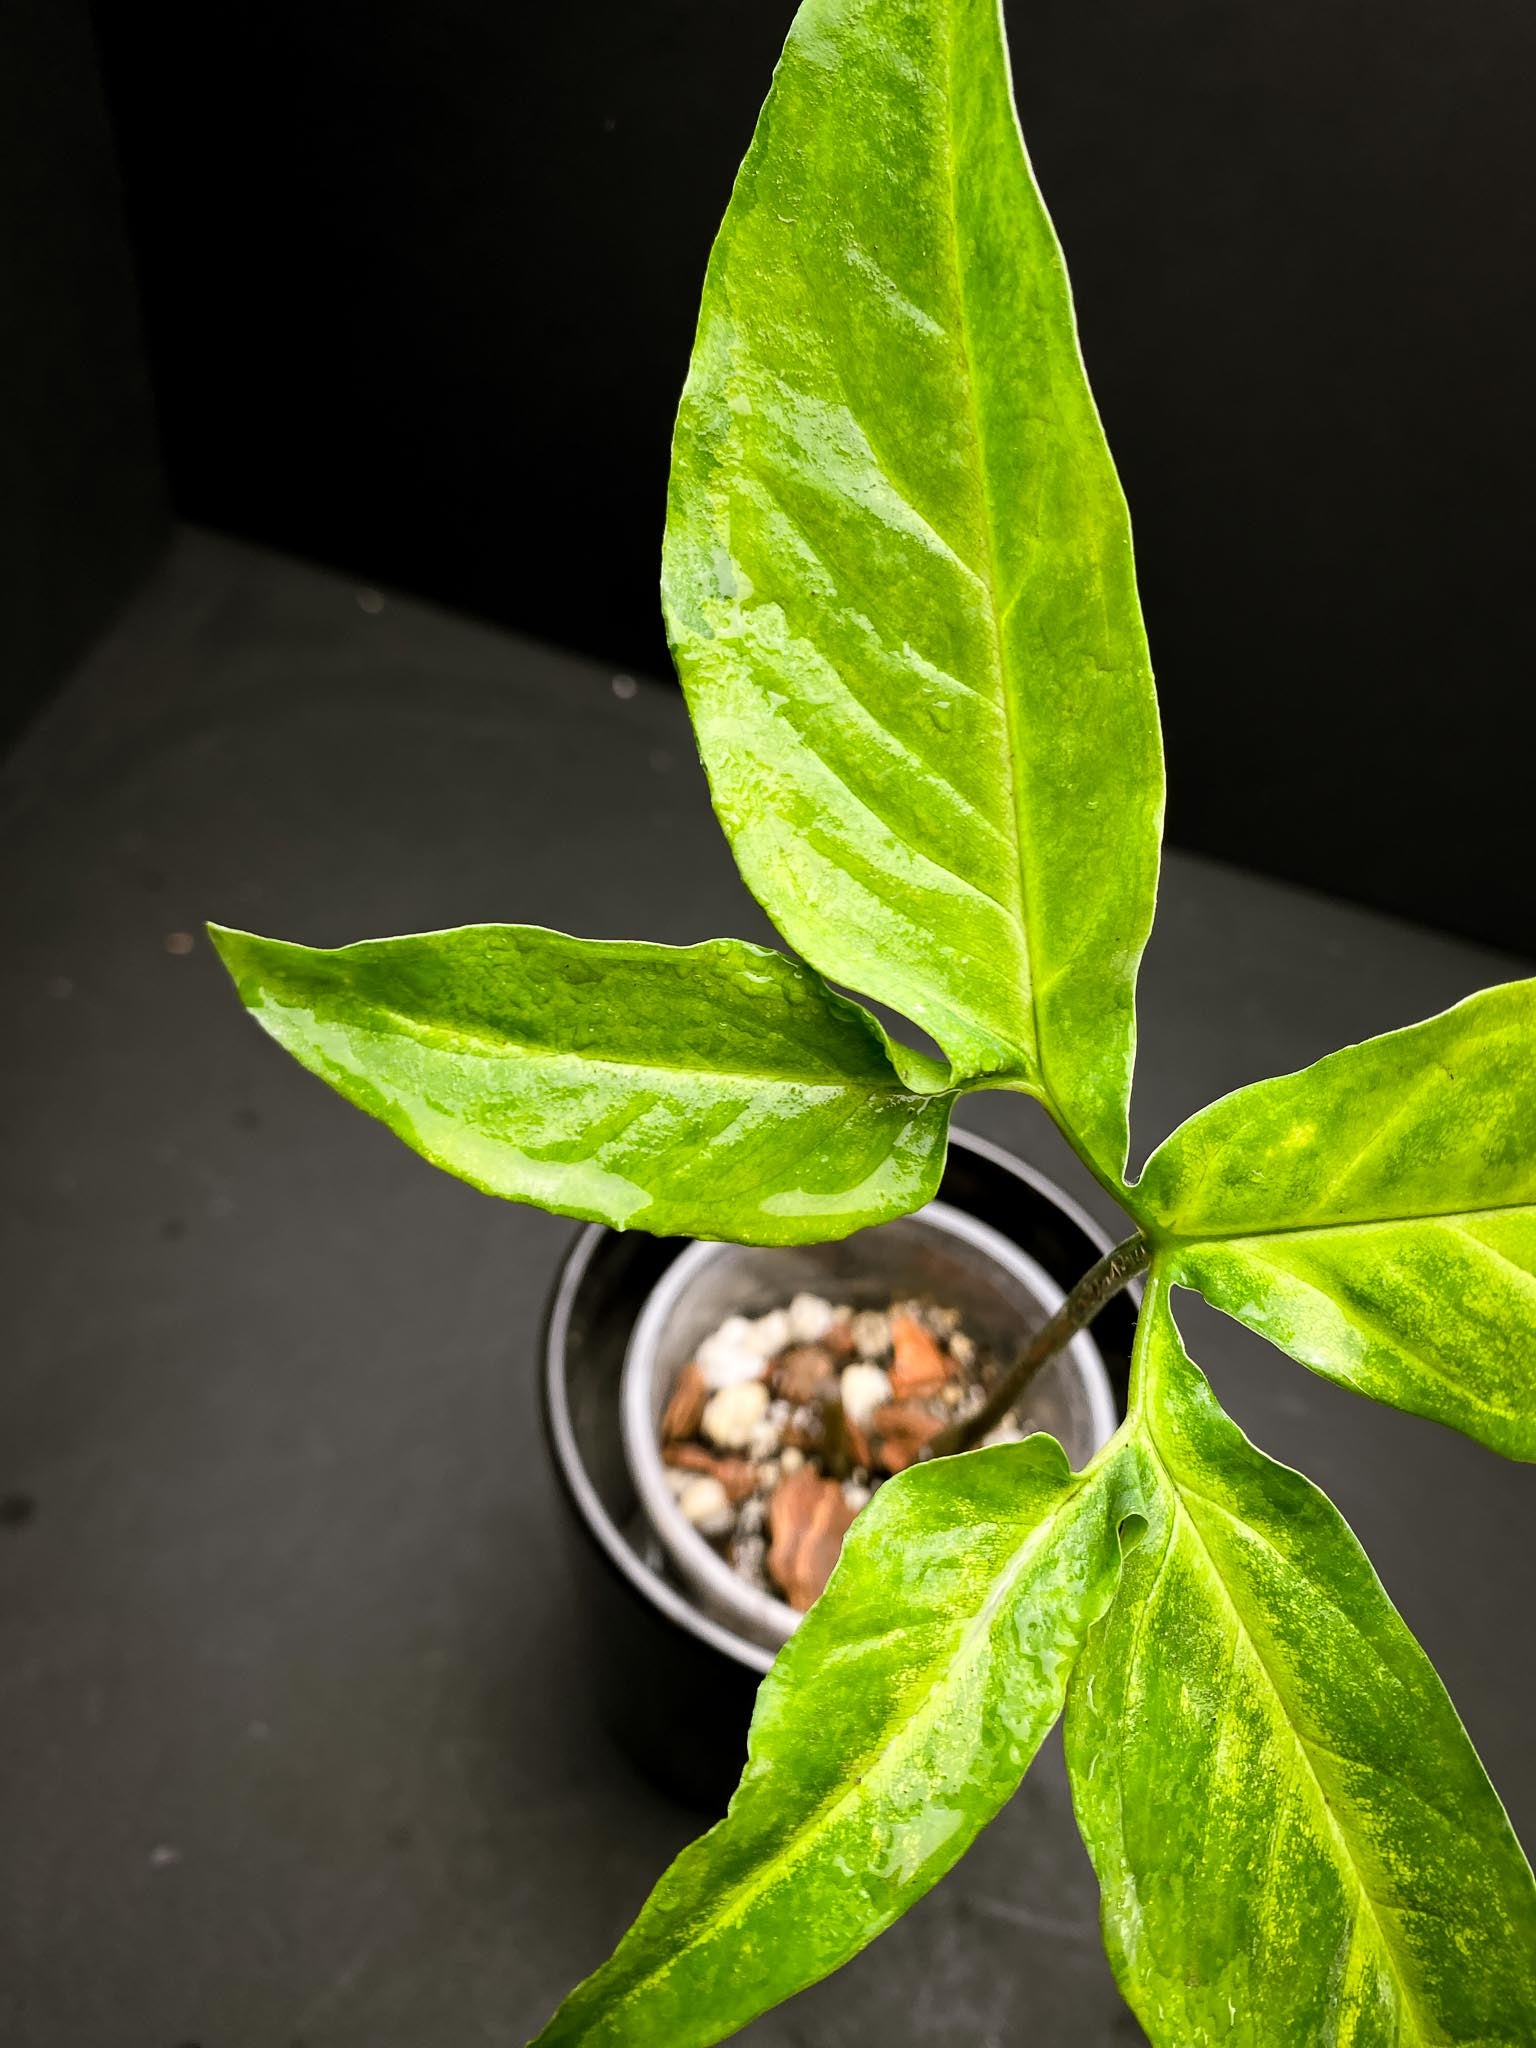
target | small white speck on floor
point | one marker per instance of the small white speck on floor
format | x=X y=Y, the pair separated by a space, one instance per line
x=625 y=687
x=370 y=601
x=179 y=942
x=163 y=1855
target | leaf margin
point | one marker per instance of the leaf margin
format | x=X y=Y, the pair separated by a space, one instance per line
x=260 y=968
x=1367 y=1323
x=1091 y=1105
x=1102 y=1488
x=1092 y=1727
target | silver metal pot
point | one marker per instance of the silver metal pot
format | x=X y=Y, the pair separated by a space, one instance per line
x=940 y=1253
x=675 y=1686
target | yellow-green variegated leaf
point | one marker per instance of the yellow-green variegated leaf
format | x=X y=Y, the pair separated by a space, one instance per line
x=896 y=1721
x=1296 y=1843
x=1375 y=1215
x=898 y=572
x=718 y=1090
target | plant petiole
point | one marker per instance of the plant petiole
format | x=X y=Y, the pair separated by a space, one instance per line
x=1099 y=1285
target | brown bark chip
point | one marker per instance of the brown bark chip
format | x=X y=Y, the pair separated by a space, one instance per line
x=685 y=1409
x=903 y=1429
x=807 y=1521
x=918 y=1366
x=857 y=1442
x=737 y=1475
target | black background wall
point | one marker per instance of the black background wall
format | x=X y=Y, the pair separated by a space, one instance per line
x=82 y=507
x=421 y=280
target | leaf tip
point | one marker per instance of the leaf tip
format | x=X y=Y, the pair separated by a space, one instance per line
x=248 y=961
x=229 y=944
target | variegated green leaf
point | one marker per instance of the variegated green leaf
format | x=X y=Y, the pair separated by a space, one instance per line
x=1295 y=1840
x=1375 y=1215
x=898 y=570
x=894 y=1724
x=719 y=1090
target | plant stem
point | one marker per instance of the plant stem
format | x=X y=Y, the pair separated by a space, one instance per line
x=1100 y=1284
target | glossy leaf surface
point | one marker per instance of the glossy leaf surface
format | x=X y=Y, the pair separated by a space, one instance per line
x=1295 y=1840
x=898 y=571
x=899 y=1717
x=718 y=1090
x=1375 y=1215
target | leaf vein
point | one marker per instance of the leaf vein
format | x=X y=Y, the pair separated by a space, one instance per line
x=1372 y=1324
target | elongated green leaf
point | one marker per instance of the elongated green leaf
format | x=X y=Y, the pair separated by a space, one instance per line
x=1375 y=1215
x=898 y=572
x=897 y=1720
x=717 y=1090
x=1295 y=1840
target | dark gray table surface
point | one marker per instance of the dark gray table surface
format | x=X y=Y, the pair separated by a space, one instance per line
x=294 y=1743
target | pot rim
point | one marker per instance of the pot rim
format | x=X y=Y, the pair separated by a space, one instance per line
x=562 y=1433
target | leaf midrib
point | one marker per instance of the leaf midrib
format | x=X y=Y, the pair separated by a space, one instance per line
x=989 y=577
x=1409 y=2004
x=1447 y=1815
x=1239 y=1233
x=880 y=1761
x=1373 y=1324
x=505 y=1047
